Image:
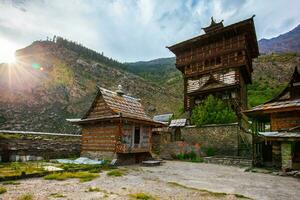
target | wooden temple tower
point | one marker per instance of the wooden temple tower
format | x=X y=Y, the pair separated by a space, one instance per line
x=218 y=62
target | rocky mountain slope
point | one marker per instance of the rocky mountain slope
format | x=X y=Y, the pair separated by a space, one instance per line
x=287 y=42
x=51 y=83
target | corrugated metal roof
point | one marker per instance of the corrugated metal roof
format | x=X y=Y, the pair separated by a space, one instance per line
x=276 y=105
x=178 y=123
x=163 y=118
x=280 y=134
x=124 y=104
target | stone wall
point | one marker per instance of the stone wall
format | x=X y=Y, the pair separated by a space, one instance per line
x=286 y=156
x=228 y=161
x=223 y=140
x=26 y=146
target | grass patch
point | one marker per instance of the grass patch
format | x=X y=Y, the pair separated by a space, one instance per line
x=10 y=136
x=26 y=197
x=142 y=196
x=57 y=195
x=116 y=173
x=216 y=194
x=83 y=167
x=20 y=168
x=11 y=183
x=83 y=176
x=94 y=189
x=2 y=190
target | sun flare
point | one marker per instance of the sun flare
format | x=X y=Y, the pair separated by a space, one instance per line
x=7 y=51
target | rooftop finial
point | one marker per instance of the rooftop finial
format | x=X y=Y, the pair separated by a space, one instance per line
x=212 y=21
x=120 y=91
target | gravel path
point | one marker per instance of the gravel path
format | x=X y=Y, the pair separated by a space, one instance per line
x=172 y=180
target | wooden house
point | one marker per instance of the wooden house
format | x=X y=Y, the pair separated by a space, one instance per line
x=116 y=127
x=218 y=62
x=280 y=145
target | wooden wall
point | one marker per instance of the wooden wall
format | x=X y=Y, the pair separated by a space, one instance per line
x=100 y=109
x=128 y=134
x=285 y=120
x=100 y=136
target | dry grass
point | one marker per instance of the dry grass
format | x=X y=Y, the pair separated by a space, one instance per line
x=216 y=194
x=94 y=189
x=26 y=197
x=11 y=183
x=116 y=172
x=57 y=195
x=2 y=190
x=142 y=196
x=83 y=176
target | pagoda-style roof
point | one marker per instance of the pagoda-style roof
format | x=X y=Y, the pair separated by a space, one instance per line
x=213 y=26
x=216 y=30
x=109 y=105
x=287 y=100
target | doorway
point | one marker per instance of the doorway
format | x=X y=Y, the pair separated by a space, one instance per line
x=137 y=135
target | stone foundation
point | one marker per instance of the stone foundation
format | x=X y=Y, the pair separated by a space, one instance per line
x=105 y=155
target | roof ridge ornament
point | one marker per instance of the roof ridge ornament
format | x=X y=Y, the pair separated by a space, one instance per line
x=120 y=91
x=213 y=25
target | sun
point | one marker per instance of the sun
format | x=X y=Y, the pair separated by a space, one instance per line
x=7 y=51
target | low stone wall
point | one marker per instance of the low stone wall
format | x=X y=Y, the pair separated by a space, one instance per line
x=223 y=140
x=27 y=146
x=236 y=161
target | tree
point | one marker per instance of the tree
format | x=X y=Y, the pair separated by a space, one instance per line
x=213 y=111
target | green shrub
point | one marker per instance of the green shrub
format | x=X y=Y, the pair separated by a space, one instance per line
x=2 y=190
x=213 y=111
x=209 y=151
x=180 y=156
x=191 y=156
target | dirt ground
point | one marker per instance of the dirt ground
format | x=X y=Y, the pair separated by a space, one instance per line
x=172 y=180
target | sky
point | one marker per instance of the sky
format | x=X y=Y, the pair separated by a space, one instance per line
x=133 y=30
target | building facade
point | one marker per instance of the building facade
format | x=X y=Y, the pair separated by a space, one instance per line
x=276 y=128
x=116 y=127
x=218 y=62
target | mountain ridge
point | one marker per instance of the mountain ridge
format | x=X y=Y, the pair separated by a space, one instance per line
x=286 y=42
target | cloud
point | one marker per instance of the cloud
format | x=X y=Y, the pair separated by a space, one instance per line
x=134 y=30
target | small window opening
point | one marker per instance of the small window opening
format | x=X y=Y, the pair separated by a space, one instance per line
x=137 y=135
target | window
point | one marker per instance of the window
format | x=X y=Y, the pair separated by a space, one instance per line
x=218 y=60
x=137 y=135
